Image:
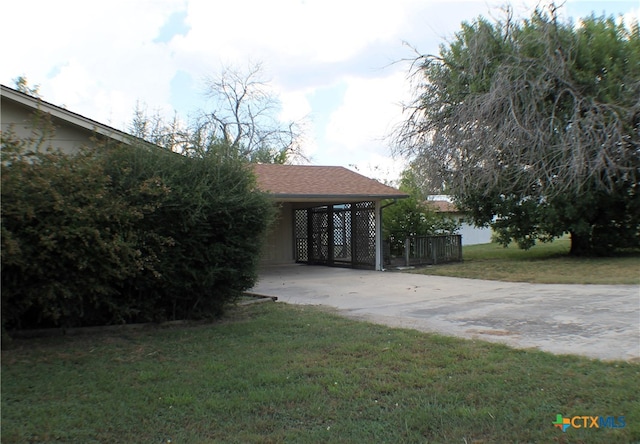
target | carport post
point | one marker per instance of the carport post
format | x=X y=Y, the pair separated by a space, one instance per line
x=407 y=247
x=378 y=213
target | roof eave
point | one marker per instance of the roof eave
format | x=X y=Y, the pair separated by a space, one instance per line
x=65 y=115
x=333 y=197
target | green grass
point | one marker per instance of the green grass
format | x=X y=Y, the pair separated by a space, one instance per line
x=545 y=263
x=279 y=373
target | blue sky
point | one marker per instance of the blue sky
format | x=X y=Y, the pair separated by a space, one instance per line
x=334 y=63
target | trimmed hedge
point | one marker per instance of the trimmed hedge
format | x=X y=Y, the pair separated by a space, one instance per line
x=125 y=234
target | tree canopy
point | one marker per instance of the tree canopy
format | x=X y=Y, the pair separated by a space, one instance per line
x=534 y=126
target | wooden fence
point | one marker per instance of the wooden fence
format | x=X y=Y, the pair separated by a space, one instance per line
x=426 y=250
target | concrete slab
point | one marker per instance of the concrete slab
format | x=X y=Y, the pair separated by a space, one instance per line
x=597 y=321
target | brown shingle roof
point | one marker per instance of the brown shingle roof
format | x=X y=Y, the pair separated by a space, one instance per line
x=313 y=182
x=442 y=206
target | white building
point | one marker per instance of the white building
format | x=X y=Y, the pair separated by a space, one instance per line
x=471 y=234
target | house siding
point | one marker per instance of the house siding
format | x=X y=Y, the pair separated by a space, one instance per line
x=19 y=119
x=278 y=248
x=472 y=235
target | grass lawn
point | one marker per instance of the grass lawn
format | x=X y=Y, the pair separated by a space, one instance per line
x=278 y=373
x=545 y=263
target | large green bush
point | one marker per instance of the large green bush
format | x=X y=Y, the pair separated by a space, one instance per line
x=216 y=221
x=124 y=234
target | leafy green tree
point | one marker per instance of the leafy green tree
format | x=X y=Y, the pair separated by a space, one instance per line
x=535 y=124
x=215 y=218
x=412 y=217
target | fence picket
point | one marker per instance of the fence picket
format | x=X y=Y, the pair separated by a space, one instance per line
x=426 y=250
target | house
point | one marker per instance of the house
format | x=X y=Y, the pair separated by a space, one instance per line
x=328 y=215
x=72 y=131
x=471 y=234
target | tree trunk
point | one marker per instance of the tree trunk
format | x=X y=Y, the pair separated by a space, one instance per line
x=580 y=245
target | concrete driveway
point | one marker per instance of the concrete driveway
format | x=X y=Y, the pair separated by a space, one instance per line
x=598 y=321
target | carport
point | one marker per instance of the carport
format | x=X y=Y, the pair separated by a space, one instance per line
x=327 y=215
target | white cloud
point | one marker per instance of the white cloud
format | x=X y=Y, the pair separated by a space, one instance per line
x=295 y=105
x=386 y=169
x=370 y=109
x=632 y=16
x=102 y=50
x=101 y=59
x=319 y=30
x=296 y=108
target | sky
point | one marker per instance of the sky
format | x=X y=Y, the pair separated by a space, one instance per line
x=338 y=65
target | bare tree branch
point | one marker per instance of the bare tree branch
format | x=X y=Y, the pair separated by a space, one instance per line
x=245 y=115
